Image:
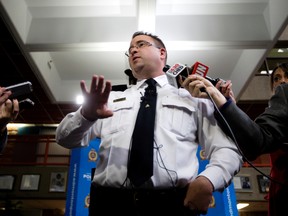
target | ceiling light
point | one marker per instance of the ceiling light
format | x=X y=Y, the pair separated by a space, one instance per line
x=265 y=72
x=242 y=205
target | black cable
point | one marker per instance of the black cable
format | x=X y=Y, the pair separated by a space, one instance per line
x=236 y=143
x=163 y=166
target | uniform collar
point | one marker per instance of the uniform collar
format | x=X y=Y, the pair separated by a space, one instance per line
x=161 y=81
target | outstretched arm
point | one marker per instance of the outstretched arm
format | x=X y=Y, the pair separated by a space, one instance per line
x=75 y=129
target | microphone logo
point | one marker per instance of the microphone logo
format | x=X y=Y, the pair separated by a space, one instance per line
x=175 y=69
x=200 y=69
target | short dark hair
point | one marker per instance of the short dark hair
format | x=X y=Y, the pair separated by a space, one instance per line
x=155 y=38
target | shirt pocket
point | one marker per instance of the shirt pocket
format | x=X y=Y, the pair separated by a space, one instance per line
x=178 y=115
x=121 y=119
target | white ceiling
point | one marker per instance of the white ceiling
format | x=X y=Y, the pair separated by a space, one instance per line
x=70 y=40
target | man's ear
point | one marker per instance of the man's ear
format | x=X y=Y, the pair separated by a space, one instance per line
x=163 y=53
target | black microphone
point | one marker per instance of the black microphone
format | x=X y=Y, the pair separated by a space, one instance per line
x=166 y=68
x=25 y=104
x=214 y=81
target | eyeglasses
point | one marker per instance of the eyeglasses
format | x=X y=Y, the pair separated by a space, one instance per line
x=139 y=45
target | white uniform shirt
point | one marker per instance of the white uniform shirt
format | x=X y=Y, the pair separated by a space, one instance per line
x=182 y=123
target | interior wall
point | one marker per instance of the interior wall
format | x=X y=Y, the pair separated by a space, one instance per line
x=46 y=185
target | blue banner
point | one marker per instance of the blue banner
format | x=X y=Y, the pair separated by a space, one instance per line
x=83 y=161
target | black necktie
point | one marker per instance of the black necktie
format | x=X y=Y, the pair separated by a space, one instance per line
x=140 y=167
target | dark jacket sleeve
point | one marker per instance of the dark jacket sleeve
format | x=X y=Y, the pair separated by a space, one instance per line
x=3 y=140
x=267 y=133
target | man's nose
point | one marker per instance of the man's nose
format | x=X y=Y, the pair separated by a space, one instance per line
x=133 y=50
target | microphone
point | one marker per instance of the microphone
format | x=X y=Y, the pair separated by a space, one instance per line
x=201 y=70
x=26 y=104
x=178 y=69
x=174 y=72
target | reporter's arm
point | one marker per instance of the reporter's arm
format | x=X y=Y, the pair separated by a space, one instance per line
x=267 y=132
x=254 y=138
x=275 y=116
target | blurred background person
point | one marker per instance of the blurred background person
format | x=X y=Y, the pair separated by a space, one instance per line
x=277 y=195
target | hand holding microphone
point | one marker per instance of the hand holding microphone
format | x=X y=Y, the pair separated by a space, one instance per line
x=200 y=87
x=196 y=81
x=180 y=72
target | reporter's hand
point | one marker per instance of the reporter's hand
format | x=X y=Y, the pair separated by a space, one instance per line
x=95 y=100
x=199 y=195
x=226 y=89
x=9 y=111
x=4 y=95
x=193 y=84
